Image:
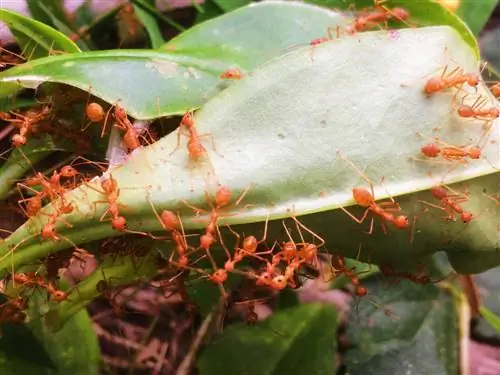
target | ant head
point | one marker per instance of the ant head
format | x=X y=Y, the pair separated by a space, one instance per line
x=187 y=119
x=317 y=41
x=109 y=185
x=279 y=282
x=169 y=220
x=183 y=261
x=48 y=231
x=401 y=222
x=119 y=223
x=466 y=217
x=18 y=140
x=69 y=171
x=219 y=276
x=473 y=79
x=475 y=152
x=495 y=112
x=430 y=150
x=94 y=112
x=264 y=279
x=361 y=291
x=120 y=113
x=59 y=295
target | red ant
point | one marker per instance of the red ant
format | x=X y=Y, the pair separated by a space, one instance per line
x=455 y=79
x=112 y=192
x=25 y=124
x=495 y=89
x=476 y=110
x=31 y=280
x=450 y=152
x=248 y=247
x=11 y=311
x=338 y=263
x=130 y=138
x=451 y=203
x=195 y=148
x=232 y=73
x=380 y=15
x=364 y=198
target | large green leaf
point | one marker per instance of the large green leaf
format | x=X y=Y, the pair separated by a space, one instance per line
x=186 y=73
x=476 y=13
x=75 y=348
x=36 y=39
x=299 y=340
x=410 y=329
x=20 y=349
x=277 y=132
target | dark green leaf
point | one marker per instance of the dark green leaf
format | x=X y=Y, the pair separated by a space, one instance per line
x=299 y=340
x=43 y=10
x=36 y=39
x=19 y=344
x=229 y=5
x=151 y=25
x=210 y=10
x=75 y=348
x=410 y=329
x=147 y=6
x=476 y=13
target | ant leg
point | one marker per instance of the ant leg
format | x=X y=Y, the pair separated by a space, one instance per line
x=322 y=241
x=359 y=221
x=212 y=141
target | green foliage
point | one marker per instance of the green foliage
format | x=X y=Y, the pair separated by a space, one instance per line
x=151 y=26
x=36 y=39
x=409 y=327
x=476 y=13
x=31 y=348
x=298 y=340
x=276 y=133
